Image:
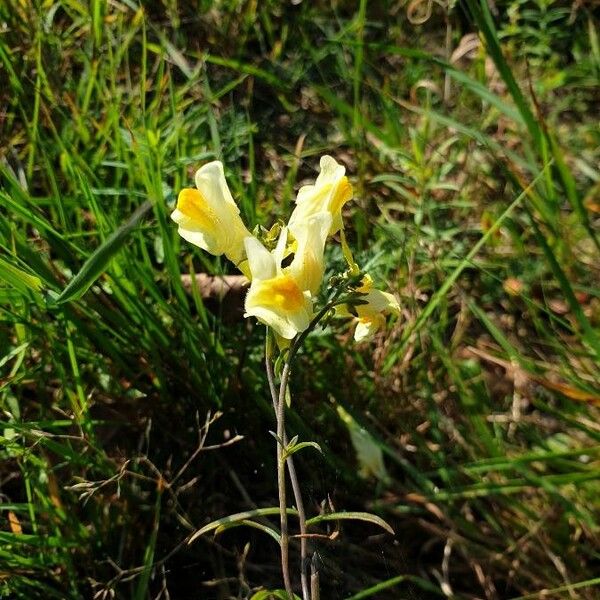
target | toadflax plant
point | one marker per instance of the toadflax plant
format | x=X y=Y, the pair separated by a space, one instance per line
x=285 y=279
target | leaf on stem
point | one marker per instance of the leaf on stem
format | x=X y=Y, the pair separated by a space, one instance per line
x=236 y=518
x=248 y=523
x=353 y=516
x=294 y=446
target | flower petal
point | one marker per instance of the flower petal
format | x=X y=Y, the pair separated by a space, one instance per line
x=277 y=322
x=285 y=323
x=378 y=302
x=329 y=193
x=280 y=304
x=260 y=260
x=279 y=251
x=210 y=180
x=331 y=170
x=208 y=216
x=366 y=327
x=190 y=230
x=308 y=265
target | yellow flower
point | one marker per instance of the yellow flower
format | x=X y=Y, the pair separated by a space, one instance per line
x=329 y=193
x=308 y=265
x=281 y=297
x=208 y=216
x=370 y=316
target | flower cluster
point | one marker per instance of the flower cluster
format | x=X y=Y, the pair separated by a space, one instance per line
x=284 y=281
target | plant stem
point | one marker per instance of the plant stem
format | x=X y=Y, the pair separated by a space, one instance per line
x=281 y=481
x=295 y=487
x=302 y=523
x=279 y=407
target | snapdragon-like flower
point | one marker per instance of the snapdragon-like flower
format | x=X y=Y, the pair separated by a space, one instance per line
x=370 y=316
x=208 y=216
x=282 y=297
x=286 y=280
x=329 y=193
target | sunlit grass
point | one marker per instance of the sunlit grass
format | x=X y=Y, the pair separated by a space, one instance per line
x=483 y=208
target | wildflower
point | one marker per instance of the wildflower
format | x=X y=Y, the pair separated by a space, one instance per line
x=308 y=265
x=370 y=315
x=208 y=216
x=329 y=193
x=281 y=297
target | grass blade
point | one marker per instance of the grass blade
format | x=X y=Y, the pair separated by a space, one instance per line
x=95 y=265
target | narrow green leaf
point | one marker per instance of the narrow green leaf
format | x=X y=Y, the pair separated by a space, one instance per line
x=460 y=76
x=440 y=293
x=293 y=448
x=481 y=14
x=563 y=588
x=589 y=333
x=393 y=582
x=37 y=541
x=141 y=590
x=249 y=69
x=571 y=189
x=19 y=279
x=95 y=265
x=242 y=516
x=351 y=516
x=248 y=523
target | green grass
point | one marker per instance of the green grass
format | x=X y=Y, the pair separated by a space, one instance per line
x=479 y=211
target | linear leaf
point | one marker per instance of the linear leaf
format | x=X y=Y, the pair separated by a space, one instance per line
x=237 y=517
x=19 y=279
x=393 y=582
x=293 y=448
x=451 y=279
x=248 y=523
x=589 y=333
x=352 y=516
x=95 y=265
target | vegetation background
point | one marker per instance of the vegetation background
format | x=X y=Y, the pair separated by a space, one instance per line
x=470 y=132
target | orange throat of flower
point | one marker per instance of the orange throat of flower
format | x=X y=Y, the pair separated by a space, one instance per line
x=193 y=205
x=282 y=293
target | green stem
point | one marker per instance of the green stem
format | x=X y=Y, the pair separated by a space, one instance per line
x=294 y=480
x=285 y=568
x=281 y=460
